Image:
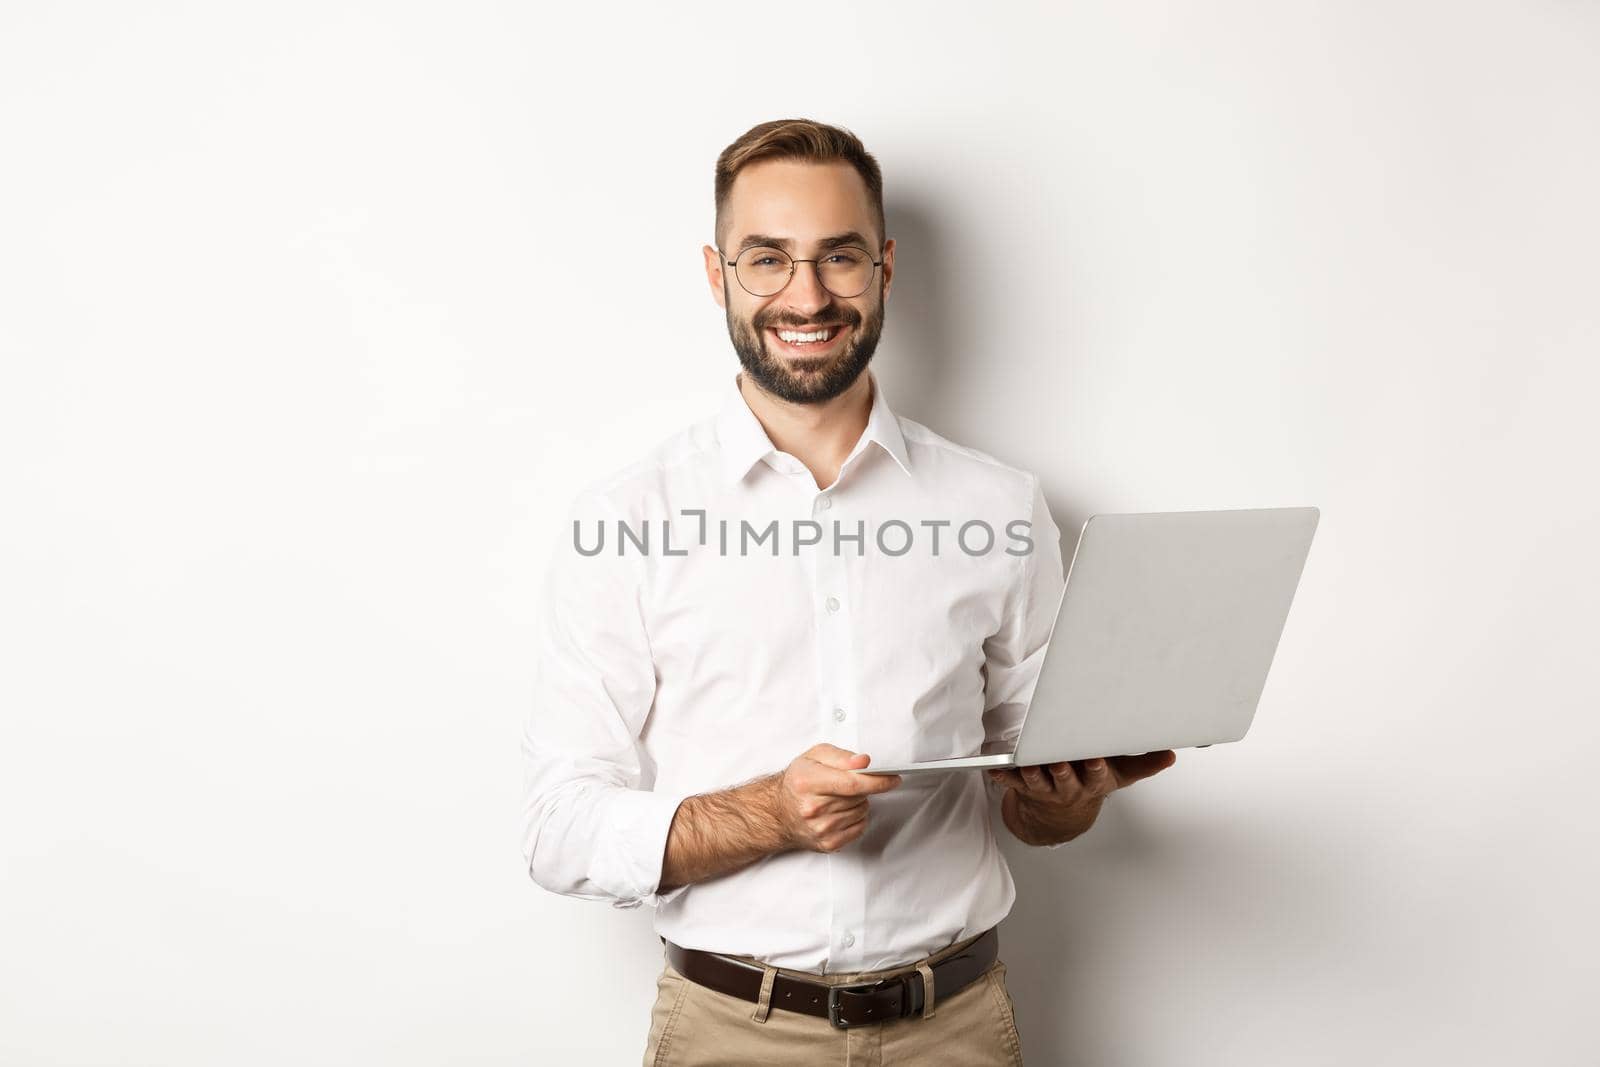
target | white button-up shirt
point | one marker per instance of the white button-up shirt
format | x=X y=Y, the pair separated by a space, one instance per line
x=737 y=615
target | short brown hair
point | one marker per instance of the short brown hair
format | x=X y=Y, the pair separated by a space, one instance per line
x=802 y=139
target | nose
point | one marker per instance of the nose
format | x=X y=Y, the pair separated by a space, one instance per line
x=805 y=292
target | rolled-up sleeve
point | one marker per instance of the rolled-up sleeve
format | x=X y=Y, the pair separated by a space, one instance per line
x=1014 y=654
x=588 y=830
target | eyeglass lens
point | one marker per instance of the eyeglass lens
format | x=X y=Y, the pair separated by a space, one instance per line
x=844 y=272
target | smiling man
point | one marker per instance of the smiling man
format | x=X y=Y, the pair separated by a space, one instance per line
x=706 y=701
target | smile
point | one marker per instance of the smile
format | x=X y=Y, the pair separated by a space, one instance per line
x=806 y=341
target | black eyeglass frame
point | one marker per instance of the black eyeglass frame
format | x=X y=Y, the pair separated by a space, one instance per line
x=815 y=264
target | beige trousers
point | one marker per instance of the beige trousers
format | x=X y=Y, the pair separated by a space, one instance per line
x=694 y=1026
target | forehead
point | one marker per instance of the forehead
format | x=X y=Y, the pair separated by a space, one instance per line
x=800 y=201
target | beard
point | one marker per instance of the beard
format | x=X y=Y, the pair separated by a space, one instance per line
x=773 y=373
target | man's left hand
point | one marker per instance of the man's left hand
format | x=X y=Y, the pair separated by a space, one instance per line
x=1059 y=801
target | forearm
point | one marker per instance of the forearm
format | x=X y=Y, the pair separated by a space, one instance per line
x=1028 y=824
x=717 y=833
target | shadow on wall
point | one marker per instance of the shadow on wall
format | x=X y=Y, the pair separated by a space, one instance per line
x=919 y=318
x=920 y=337
x=1146 y=908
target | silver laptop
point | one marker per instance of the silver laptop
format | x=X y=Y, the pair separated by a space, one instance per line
x=1162 y=638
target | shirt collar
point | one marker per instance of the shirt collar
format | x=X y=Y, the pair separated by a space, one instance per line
x=744 y=441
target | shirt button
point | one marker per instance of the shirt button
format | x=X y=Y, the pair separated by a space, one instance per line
x=849 y=939
x=825 y=503
x=833 y=603
x=838 y=715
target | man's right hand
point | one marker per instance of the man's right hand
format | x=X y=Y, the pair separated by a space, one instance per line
x=822 y=802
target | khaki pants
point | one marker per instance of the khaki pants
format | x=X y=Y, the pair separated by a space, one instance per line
x=694 y=1026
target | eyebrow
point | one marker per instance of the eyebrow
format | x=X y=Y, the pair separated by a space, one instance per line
x=761 y=240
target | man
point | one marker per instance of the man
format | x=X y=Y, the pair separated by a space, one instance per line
x=704 y=707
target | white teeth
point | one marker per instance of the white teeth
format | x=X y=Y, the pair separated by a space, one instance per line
x=801 y=338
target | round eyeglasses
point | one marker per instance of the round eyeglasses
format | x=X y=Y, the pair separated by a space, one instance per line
x=845 y=271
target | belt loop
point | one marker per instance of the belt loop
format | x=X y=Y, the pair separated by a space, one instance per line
x=927 y=989
x=769 y=974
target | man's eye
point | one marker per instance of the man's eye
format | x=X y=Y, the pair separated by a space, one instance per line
x=761 y=261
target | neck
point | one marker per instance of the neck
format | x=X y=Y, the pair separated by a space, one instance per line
x=818 y=435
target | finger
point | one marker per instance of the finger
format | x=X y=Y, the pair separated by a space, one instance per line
x=1065 y=776
x=840 y=820
x=1009 y=777
x=820 y=804
x=851 y=784
x=841 y=837
x=1038 y=780
x=1135 y=768
x=1098 y=779
x=1130 y=769
x=834 y=756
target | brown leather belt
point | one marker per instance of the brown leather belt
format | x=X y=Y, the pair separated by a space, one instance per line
x=842 y=1005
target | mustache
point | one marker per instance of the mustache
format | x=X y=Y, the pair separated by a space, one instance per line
x=790 y=324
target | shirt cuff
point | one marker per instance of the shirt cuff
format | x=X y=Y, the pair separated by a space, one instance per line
x=640 y=821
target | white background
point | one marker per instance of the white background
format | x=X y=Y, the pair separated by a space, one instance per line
x=314 y=317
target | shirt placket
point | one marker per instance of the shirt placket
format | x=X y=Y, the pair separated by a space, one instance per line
x=838 y=713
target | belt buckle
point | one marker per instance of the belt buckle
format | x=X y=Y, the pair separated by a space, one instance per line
x=863 y=987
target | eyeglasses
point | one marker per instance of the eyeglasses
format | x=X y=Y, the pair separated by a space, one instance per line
x=845 y=272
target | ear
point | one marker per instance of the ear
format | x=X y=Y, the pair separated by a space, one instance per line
x=714 y=277
x=888 y=268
